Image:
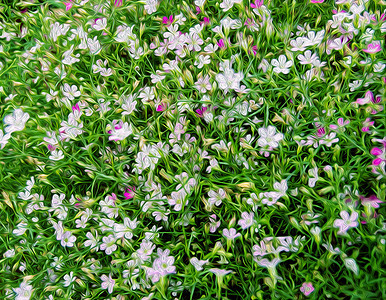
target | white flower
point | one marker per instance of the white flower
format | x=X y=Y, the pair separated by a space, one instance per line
x=178 y=199
x=68 y=279
x=70 y=92
x=216 y=197
x=4 y=139
x=313 y=177
x=346 y=222
x=203 y=84
x=100 y=24
x=281 y=65
x=23 y=292
x=147 y=94
x=247 y=220
x=229 y=80
x=92 y=241
x=21 y=228
x=151 y=6
x=109 y=244
x=9 y=253
x=269 y=198
x=198 y=263
x=120 y=131
x=68 y=239
x=308 y=58
x=15 y=122
x=228 y=4
x=269 y=137
x=329 y=139
x=202 y=60
x=230 y=234
x=107 y=283
x=351 y=264
x=56 y=155
x=281 y=187
x=194 y=42
x=126 y=229
x=94 y=45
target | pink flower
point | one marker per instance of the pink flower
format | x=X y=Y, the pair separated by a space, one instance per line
x=206 y=20
x=317 y=1
x=198 y=10
x=129 y=193
x=118 y=3
x=167 y=21
x=68 y=5
x=257 y=4
x=221 y=44
x=366 y=125
x=307 y=288
x=369 y=97
x=374 y=47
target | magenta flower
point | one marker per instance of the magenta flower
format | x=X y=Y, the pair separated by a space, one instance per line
x=118 y=3
x=201 y=111
x=221 y=44
x=167 y=21
x=257 y=4
x=317 y=1
x=129 y=193
x=374 y=47
x=371 y=201
x=68 y=5
x=376 y=151
x=51 y=147
x=161 y=107
x=253 y=49
x=374 y=216
x=369 y=97
x=206 y=20
x=198 y=10
x=307 y=288
x=341 y=123
x=366 y=125
x=76 y=107
x=321 y=132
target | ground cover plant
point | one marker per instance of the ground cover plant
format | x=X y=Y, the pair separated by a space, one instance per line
x=192 y=149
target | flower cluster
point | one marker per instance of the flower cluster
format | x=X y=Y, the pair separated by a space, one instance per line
x=170 y=149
